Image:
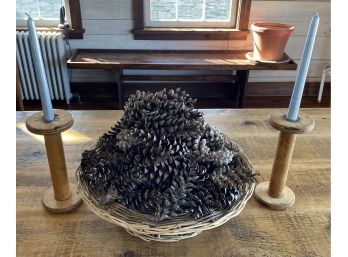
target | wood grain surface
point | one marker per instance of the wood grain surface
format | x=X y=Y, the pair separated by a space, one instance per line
x=303 y=230
x=62 y=121
x=170 y=60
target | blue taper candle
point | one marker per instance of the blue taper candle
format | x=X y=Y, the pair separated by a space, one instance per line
x=40 y=71
x=303 y=70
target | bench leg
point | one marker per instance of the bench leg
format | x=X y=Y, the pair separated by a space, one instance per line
x=242 y=80
x=235 y=90
x=119 y=74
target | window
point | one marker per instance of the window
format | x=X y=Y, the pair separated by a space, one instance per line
x=191 y=19
x=190 y=13
x=46 y=14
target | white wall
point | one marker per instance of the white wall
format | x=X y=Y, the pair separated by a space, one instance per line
x=108 y=25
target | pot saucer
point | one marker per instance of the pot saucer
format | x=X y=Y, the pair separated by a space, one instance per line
x=284 y=59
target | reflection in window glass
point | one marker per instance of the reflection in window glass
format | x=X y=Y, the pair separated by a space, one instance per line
x=26 y=6
x=50 y=9
x=190 y=10
x=38 y=9
x=218 y=9
x=163 y=9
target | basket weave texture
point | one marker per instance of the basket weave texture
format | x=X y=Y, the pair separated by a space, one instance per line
x=144 y=227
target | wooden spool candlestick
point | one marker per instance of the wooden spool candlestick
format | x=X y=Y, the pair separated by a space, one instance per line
x=274 y=193
x=61 y=197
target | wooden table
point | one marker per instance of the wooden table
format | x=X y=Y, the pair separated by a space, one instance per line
x=207 y=60
x=303 y=230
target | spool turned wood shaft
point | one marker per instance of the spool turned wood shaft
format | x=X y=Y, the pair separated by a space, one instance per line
x=56 y=162
x=61 y=197
x=285 y=148
x=275 y=194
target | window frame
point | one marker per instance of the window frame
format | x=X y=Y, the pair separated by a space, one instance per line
x=142 y=32
x=73 y=15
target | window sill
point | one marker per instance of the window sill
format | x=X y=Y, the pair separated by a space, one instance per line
x=189 y=34
x=69 y=33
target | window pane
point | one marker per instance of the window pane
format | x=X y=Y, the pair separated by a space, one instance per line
x=218 y=9
x=26 y=6
x=190 y=9
x=163 y=10
x=50 y=9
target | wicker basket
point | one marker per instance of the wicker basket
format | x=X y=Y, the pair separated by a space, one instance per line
x=144 y=227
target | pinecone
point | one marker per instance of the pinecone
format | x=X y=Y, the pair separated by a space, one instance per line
x=163 y=160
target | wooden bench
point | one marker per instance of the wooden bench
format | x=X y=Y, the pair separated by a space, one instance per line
x=207 y=60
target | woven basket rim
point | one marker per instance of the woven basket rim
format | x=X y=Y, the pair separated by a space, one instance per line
x=182 y=227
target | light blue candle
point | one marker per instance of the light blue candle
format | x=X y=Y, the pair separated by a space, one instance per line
x=40 y=71
x=303 y=70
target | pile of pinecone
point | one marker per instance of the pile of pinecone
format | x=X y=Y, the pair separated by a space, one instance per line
x=161 y=159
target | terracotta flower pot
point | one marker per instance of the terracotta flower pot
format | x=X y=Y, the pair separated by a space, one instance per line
x=270 y=40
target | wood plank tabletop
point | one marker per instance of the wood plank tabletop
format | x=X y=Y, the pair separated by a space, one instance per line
x=171 y=59
x=303 y=230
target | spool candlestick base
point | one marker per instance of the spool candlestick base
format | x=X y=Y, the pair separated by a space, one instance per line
x=61 y=197
x=274 y=193
x=56 y=206
x=282 y=203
